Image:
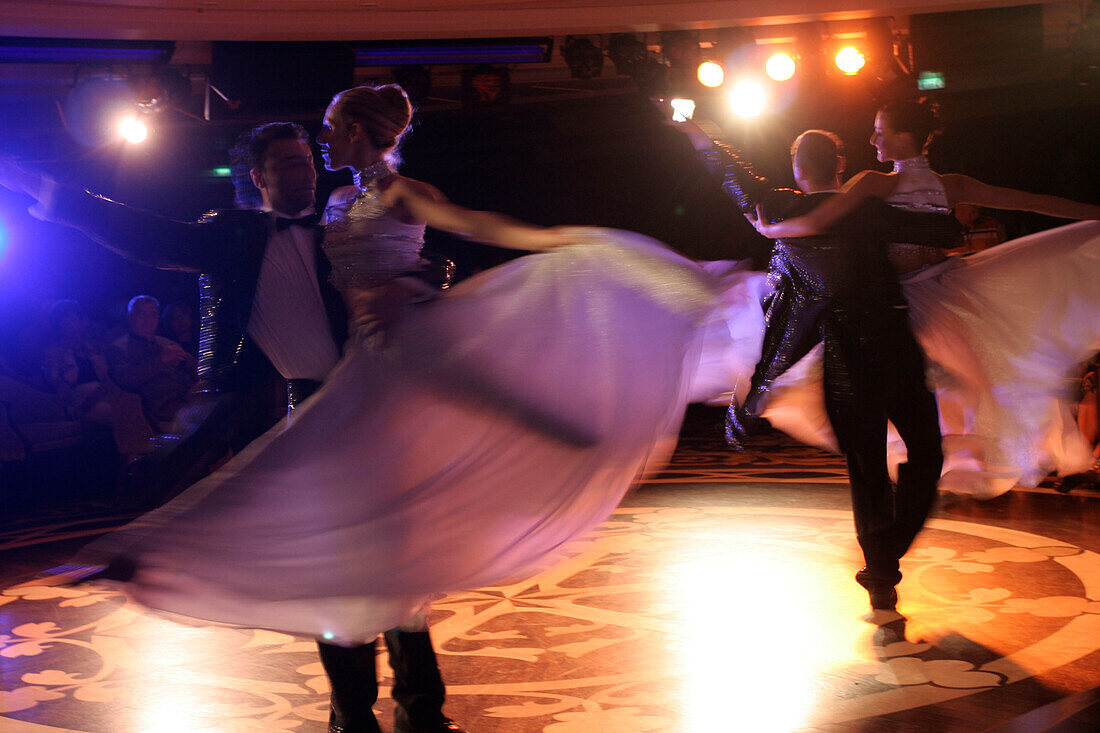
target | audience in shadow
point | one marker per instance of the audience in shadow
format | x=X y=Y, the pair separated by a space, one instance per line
x=75 y=410
x=152 y=366
x=180 y=324
x=75 y=369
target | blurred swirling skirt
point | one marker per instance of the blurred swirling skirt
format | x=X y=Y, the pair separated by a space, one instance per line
x=1004 y=332
x=489 y=428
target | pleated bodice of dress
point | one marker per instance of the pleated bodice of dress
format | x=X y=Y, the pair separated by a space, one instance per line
x=918 y=189
x=367 y=245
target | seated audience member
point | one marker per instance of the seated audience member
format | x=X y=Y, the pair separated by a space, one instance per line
x=28 y=353
x=75 y=368
x=155 y=367
x=27 y=415
x=180 y=324
x=74 y=364
x=27 y=403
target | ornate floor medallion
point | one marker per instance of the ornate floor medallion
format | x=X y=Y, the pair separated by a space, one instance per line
x=663 y=619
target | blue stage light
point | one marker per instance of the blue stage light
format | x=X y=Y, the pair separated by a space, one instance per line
x=75 y=51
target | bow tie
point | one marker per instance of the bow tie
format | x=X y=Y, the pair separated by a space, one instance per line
x=309 y=222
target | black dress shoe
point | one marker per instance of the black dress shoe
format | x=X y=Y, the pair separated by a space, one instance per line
x=337 y=725
x=884 y=599
x=1090 y=480
x=337 y=728
x=883 y=593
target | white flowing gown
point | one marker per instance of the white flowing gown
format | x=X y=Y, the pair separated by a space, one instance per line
x=493 y=425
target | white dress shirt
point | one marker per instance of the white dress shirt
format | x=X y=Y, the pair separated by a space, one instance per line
x=288 y=321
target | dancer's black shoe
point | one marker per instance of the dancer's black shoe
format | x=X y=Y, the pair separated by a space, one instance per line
x=739 y=423
x=1090 y=480
x=883 y=592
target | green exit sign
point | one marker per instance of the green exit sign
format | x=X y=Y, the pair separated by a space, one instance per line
x=927 y=80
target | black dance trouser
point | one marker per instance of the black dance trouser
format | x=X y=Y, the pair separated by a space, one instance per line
x=874 y=373
x=792 y=327
x=352 y=672
x=417 y=684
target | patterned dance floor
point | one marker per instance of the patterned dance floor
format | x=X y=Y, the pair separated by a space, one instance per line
x=718 y=597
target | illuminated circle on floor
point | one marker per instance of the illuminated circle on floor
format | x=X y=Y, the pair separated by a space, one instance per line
x=628 y=630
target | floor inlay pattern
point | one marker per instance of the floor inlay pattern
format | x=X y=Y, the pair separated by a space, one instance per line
x=772 y=457
x=665 y=618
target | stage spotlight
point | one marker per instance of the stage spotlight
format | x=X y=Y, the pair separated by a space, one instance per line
x=850 y=60
x=160 y=90
x=711 y=74
x=780 y=66
x=632 y=58
x=584 y=59
x=94 y=107
x=747 y=98
x=132 y=129
x=626 y=52
x=680 y=48
x=486 y=85
x=682 y=109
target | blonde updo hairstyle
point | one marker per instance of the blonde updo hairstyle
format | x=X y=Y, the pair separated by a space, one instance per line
x=384 y=112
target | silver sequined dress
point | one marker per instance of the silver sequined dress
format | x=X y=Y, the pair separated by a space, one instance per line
x=366 y=245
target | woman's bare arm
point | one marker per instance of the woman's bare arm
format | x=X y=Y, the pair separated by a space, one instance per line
x=964 y=189
x=425 y=203
x=862 y=186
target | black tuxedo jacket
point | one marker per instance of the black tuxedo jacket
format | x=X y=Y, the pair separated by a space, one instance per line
x=225 y=248
x=820 y=283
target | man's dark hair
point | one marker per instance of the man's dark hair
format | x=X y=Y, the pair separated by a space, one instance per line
x=250 y=151
x=816 y=152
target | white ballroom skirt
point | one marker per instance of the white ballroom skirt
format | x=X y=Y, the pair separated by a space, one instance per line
x=494 y=425
x=1004 y=333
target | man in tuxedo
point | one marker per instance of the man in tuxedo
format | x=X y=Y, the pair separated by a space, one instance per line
x=267 y=310
x=840 y=288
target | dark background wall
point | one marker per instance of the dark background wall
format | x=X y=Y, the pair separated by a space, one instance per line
x=607 y=160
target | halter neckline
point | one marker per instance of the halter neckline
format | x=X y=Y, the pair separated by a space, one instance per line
x=366 y=176
x=910 y=164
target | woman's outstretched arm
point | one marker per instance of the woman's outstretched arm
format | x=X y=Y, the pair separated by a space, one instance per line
x=862 y=186
x=424 y=202
x=966 y=190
